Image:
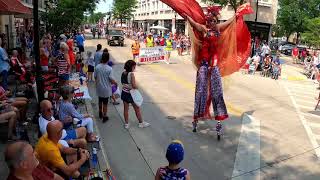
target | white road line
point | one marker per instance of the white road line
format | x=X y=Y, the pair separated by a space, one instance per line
x=308 y=88
x=306 y=107
x=248 y=151
x=314 y=125
x=306 y=97
x=304 y=92
x=311 y=115
x=311 y=136
x=306 y=101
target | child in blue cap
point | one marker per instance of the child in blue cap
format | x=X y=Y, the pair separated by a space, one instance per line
x=174 y=155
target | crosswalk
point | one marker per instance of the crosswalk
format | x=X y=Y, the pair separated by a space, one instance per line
x=303 y=95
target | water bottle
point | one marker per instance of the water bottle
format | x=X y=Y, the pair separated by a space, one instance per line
x=94 y=158
x=81 y=81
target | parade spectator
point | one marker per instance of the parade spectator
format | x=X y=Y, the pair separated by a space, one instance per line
x=295 y=55
x=73 y=137
x=98 y=55
x=162 y=41
x=90 y=64
x=149 y=41
x=71 y=54
x=104 y=79
x=50 y=152
x=303 y=55
x=4 y=66
x=256 y=61
x=67 y=109
x=179 y=46
x=174 y=155
x=188 y=45
x=135 y=47
x=168 y=47
x=23 y=163
x=8 y=114
x=18 y=102
x=63 y=64
x=265 y=50
x=44 y=56
x=80 y=42
x=128 y=81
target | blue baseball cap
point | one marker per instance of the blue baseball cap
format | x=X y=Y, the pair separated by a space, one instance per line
x=175 y=152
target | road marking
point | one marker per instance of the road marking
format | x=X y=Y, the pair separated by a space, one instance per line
x=299 y=95
x=188 y=85
x=311 y=115
x=304 y=92
x=311 y=136
x=248 y=151
x=306 y=107
x=308 y=102
x=315 y=125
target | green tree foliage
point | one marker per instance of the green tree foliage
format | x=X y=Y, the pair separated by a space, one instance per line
x=233 y=3
x=94 y=18
x=293 y=15
x=67 y=14
x=312 y=33
x=123 y=9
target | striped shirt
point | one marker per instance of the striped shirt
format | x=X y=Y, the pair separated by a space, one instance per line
x=62 y=64
x=67 y=109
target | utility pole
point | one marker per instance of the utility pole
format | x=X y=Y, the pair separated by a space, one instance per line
x=255 y=29
x=36 y=50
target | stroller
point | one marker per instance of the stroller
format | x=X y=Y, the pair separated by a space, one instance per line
x=275 y=72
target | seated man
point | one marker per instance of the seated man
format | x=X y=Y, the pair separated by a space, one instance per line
x=74 y=137
x=23 y=164
x=50 y=151
x=67 y=109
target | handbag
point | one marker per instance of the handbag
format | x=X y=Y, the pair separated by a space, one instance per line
x=135 y=93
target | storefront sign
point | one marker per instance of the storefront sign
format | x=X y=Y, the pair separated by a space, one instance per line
x=153 y=54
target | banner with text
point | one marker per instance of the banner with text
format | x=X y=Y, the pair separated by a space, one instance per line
x=152 y=54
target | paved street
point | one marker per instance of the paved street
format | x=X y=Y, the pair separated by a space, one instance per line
x=272 y=133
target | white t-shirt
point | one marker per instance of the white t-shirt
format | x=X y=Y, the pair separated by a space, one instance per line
x=43 y=123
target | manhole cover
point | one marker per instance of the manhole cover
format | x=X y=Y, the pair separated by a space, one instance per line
x=171 y=117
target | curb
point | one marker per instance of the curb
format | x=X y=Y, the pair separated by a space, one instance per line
x=102 y=155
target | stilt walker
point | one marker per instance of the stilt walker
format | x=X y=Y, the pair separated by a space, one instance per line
x=218 y=49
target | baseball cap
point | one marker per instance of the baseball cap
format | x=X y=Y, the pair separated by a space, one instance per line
x=175 y=152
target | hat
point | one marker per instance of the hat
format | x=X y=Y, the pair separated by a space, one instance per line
x=175 y=152
x=64 y=37
x=66 y=90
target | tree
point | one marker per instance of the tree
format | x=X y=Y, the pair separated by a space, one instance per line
x=233 y=3
x=292 y=15
x=312 y=34
x=95 y=17
x=123 y=9
x=67 y=14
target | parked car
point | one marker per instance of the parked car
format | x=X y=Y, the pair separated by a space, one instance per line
x=115 y=36
x=286 y=49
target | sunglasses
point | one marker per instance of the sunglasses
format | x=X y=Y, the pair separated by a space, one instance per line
x=50 y=109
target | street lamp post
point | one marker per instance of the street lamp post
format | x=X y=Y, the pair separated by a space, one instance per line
x=36 y=50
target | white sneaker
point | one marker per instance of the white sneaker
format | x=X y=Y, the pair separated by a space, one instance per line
x=144 y=124
x=126 y=126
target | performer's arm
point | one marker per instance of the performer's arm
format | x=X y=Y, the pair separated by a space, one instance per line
x=224 y=25
x=199 y=27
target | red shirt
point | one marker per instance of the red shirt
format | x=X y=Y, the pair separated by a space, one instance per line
x=295 y=51
x=39 y=173
x=208 y=51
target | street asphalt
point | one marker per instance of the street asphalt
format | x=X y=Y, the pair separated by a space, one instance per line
x=272 y=132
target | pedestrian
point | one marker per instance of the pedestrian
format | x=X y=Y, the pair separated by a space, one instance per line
x=71 y=54
x=149 y=41
x=188 y=45
x=174 y=155
x=44 y=57
x=128 y=81
x=168 y=47
x=295 y=54
x=90 y=64
x=63 y=64
x=135 y=47
x=104 y=79
x=80 y=42
x=303 y=55
x=98 y=55
x=4 y=66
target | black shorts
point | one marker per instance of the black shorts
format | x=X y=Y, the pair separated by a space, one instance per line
x=126 y=97
x=103 y=100
x=90 y=68
x=81 y=48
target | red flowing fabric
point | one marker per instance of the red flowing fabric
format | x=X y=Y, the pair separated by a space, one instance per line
x=235 y=41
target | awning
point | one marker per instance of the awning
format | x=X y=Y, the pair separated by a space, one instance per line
x=11 y=7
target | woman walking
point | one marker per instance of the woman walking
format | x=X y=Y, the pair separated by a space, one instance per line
x=128 y=81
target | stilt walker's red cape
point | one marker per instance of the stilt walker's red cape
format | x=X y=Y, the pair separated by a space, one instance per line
x=234 y=44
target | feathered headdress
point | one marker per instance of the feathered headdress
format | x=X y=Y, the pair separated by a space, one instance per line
x=213 y=11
